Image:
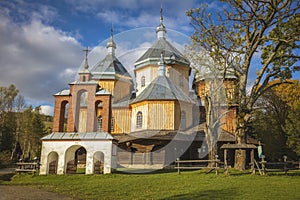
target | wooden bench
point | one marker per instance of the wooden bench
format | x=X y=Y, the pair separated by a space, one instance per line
x=27 y=167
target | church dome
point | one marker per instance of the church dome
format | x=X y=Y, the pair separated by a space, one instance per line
x=110 y=67
x=152 y=55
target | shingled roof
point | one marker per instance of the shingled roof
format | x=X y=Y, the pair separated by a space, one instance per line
x=152 y=55
x=162 y=88
x=109 y=68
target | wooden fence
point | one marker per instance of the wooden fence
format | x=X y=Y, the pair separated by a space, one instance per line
x=264 y=166
x=211 y=165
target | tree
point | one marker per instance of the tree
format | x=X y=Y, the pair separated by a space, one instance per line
x=7 y=118
x=274 y=117
x=293 y=130
x=236 y=35
x=274 y=120
x=37 y=132
x=7 y=122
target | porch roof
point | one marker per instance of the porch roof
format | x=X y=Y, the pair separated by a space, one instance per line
x=78 y=136
x=238 y=146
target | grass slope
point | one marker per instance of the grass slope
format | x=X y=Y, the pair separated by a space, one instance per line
x=169 y=185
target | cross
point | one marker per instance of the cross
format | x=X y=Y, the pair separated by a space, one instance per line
x=86 y=52
x=86 y=66
x=161 y=10
x=112 y=30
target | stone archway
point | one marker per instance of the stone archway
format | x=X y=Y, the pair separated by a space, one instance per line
x=75 y=158
x=98 y=161
x=52 y=162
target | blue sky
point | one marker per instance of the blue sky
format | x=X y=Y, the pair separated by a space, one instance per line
x=41 y=41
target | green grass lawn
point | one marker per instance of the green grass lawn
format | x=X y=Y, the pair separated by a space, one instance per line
x=168 y=185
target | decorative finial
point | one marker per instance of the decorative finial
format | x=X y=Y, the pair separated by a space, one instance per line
x=112 y=30
x=161 y=16
x=86 y=66
x=161 y=29
x=162 y=60
x=111 y=45
x=161 y=65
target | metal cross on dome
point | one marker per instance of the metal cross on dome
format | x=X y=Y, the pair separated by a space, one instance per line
x=86 y=57
x=86 y=52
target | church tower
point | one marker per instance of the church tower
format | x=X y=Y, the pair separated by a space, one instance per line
x=177 y=66
x=112 y=75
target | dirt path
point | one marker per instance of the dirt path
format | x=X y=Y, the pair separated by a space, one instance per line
x=9 y=192
x=15 y=192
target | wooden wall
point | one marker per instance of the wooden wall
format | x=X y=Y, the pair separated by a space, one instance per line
x=122 y=120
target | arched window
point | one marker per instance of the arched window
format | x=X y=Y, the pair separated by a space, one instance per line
x=99 y=121
x=112 y=124
x=83 y=104
x=143 y=81
x=83 y=99
x=63 y=119
x=139 y=119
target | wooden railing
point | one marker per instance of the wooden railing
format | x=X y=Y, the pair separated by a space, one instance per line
x=195 y=164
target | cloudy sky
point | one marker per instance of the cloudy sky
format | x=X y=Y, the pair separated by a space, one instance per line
x=41 y=41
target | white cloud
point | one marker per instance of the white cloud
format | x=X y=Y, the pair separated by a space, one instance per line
x=33 y=55
x=46 y=110
x=41 y=59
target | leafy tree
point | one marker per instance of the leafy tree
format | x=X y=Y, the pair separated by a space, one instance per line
x=7 y=118
x=293 y=130
x=274 y=110
x=7 y=121
x=236 y=35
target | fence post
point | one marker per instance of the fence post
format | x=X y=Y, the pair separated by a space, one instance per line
x=252 y=162
x=263 y=164
x=216 y=156
x=285 y=164
x=225 y=162
x=178 y=166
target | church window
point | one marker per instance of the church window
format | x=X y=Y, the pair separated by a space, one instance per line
x=99 y=123
x=139 y=119
x=143 y=81
x=112 y=124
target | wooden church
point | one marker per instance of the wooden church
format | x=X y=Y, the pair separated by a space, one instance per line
x=105 y=120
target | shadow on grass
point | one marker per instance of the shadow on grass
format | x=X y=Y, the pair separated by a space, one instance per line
x=289 y=173
x=207 y=194
x=144 y=171
x=6 y=177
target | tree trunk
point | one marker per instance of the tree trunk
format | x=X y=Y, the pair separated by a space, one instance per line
x=240 y=159
x=240 y=154
x=212 y=155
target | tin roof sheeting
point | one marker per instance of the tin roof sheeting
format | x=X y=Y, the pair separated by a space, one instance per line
x=78 y=136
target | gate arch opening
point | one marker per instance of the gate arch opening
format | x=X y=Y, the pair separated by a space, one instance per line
x=52 y=162
x=98 y=160
x=75 y=159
